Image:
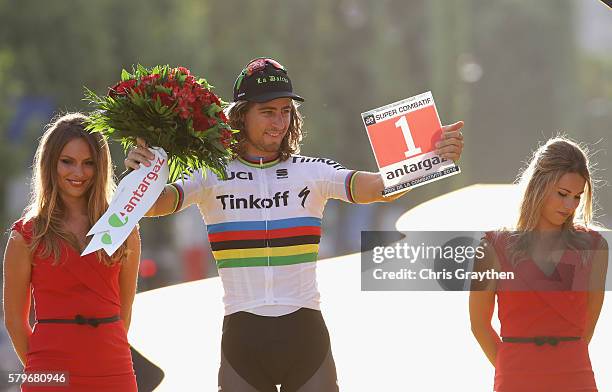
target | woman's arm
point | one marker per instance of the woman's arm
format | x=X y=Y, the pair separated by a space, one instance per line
x=129 y=276
x=17 y=273
x=482 y=303
x=596 y=289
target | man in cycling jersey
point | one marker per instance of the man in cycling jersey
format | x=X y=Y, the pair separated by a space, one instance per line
x=264 y=227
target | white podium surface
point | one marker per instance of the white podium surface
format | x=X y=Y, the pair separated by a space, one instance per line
x=381 y=341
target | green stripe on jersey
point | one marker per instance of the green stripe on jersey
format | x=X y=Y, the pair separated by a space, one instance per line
x=267 y=261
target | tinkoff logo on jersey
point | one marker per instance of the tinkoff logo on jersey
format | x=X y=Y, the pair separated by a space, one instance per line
x=330 y=162
x=280 y=199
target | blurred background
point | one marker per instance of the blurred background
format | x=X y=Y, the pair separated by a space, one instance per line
x=516 y=71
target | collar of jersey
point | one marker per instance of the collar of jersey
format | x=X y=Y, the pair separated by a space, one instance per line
x=258 y=162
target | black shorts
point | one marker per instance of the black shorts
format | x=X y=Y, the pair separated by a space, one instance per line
x=259 y=352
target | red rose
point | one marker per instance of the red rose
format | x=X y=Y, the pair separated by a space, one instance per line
x=163 y=97
x=226 y=138
x=183 y=113
x=150 y=79
x=122 y=88
x=200 y=124
x=183 y=70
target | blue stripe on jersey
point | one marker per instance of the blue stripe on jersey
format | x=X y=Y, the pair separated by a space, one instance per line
x=262 y=225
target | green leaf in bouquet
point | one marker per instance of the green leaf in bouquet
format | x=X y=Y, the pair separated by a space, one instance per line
x=217 y=144
x=224 y=104
x=210 y=133
x=190 y=129
x=164 y=72
x=205 y=84
x=213 y=109
x=161 y=89
x=125 y=75
x=141 y=70
x=137 y=98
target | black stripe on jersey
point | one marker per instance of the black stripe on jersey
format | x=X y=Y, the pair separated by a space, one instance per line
x=262 y=243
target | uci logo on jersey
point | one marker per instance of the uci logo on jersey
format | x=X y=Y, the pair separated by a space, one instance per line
x=240 y=176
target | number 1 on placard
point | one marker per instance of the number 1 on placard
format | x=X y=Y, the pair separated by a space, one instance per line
x=412 y=149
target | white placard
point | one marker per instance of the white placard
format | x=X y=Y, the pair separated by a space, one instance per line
x=403 y=136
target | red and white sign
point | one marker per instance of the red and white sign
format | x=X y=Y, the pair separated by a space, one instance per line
x=403 y=137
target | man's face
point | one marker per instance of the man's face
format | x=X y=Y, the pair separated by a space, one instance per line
x=266 y=125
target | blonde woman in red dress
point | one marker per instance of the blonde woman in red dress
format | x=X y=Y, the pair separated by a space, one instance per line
x=82 y=304
x=548 y=312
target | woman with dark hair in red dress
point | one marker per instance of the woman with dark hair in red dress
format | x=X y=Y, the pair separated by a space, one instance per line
x=548 y=312
x=82 y=304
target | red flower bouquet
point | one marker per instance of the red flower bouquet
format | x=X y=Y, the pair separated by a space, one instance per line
x=171 y=109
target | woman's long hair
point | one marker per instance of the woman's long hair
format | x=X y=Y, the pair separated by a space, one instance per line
x=290 y=144
x=558 y=156
x=46 y=209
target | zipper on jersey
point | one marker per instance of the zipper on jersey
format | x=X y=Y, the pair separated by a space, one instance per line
x=266 y=212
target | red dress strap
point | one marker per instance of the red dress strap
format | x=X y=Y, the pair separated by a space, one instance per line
x=24 y=228
x=498 y=240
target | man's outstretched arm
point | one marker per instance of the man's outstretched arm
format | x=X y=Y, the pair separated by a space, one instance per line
x=368 y=187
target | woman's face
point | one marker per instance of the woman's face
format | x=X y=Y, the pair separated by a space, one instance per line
x=75 y=169
x=561 y=201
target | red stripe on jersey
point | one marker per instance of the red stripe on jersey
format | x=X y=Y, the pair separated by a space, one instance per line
x=261 y=234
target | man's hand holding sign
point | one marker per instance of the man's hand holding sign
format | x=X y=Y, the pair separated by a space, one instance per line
x=410 y=145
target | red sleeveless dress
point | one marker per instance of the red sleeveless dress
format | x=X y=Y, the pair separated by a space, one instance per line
x=96 y=358
x=535 y=304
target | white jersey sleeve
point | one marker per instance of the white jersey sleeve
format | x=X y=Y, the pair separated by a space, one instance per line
x=337 y=181
x=193 y=189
